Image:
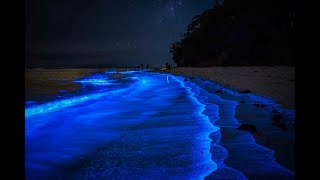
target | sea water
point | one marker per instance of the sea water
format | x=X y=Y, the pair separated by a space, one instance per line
x=143 y=125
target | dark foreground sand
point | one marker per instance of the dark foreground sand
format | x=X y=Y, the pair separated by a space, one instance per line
x=277 y=82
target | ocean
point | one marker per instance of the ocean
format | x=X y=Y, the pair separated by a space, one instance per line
x=145 y=125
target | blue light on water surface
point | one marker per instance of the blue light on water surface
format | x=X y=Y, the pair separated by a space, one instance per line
x=140 y=116
x=95 y=81
x=149 y=127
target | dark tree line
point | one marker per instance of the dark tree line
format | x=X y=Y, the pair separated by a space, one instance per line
x=246 y=32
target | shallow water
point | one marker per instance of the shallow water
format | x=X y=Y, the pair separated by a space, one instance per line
x=150 y=126
x=141 y=126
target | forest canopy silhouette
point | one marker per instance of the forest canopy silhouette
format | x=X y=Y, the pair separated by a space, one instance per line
x=233 y=32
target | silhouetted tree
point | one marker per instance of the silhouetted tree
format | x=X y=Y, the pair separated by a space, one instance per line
x=247 y=32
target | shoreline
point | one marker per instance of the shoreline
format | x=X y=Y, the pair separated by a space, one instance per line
x=276 y=82
x=268 y=138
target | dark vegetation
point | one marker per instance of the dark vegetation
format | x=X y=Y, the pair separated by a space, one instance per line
x=233 y=32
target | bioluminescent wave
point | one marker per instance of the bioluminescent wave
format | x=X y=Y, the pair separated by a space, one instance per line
x=95 y=82
x=143 y=126
x=237 y=155
x=147 y=129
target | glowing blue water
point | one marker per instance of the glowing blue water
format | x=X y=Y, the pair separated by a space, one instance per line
x=152 y=127
x=237 y=154
x=148 y=126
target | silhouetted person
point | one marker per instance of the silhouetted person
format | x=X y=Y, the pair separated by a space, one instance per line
x=141 y=67
x=147 y=67
x=138 y=67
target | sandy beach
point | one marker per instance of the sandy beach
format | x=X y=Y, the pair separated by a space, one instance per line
x=277 y=82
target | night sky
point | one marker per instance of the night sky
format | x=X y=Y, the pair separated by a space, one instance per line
x=75 y=33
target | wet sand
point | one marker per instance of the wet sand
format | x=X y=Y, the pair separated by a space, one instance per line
x=42 y=84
